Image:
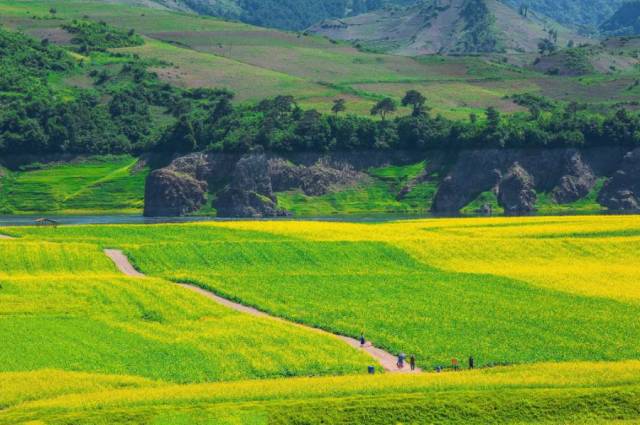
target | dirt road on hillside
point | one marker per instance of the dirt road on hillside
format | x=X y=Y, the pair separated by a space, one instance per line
x=385 y=359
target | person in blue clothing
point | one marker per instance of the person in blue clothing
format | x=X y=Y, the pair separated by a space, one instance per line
x=363 y=341
x=401 y=358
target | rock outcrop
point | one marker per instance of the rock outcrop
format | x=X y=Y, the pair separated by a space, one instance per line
x=246 y=185
x=474 y=172
x=250 y=193
x=516 y=175
x=622 y=191
x=181 y=187
x=169 y=193
x=516 y=191
x=314 y=180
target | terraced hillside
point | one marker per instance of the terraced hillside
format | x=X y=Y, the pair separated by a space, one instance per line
x=521 y=292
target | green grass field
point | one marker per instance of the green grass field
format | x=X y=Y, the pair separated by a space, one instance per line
x=98 y=185
x=382 y=193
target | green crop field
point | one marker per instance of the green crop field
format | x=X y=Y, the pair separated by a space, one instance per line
x=65 y=307
x=84 y=186
x=549 y=296
x=544 y=393
x=332 y=281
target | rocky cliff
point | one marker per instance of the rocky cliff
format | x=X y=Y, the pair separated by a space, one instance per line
x=516 y=176
x=246 y=185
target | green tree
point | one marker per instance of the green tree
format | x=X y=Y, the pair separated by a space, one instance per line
x=181 y=138
x=546 y=46
x=493 y=119
x=384 y=107
x=415 y=99
x=339 y=105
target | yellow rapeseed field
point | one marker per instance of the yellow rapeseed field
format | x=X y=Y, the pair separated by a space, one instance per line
x=586 y=255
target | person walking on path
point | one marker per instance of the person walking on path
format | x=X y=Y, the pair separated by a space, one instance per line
x=412 y=362
x=363 y=341
x=401 y=358
x=472 y=362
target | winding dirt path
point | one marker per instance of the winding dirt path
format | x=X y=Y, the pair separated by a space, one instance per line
x=122 y=262
x=385 y=359
x=5 y=237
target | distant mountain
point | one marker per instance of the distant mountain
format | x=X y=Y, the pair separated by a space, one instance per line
x=581 y=13
x=447 y=27
x=626 y=21
x=283 y=14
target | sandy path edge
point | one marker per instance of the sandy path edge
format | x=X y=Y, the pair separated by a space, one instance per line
x=5 y=237
x=385 y=359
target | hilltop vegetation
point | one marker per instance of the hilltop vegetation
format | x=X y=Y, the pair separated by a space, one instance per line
x=227 y=87
x=207 y=120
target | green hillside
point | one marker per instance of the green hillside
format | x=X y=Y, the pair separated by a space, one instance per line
x=574 y=393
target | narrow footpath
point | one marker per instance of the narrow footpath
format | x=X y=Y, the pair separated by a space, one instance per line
x=5 y=237
x=386 y=360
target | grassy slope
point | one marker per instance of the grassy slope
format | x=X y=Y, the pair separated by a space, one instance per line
x=64 y=306
x=85 y=186
x=397 y=282
x=378 y=195
x=550 y=393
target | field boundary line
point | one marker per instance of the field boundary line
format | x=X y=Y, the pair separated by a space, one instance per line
x=385 y=359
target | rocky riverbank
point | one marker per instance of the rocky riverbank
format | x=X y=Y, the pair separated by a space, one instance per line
x=246 y=185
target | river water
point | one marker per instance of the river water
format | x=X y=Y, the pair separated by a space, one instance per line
x=20 y=220
x=28 y=220
x=24 y=220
